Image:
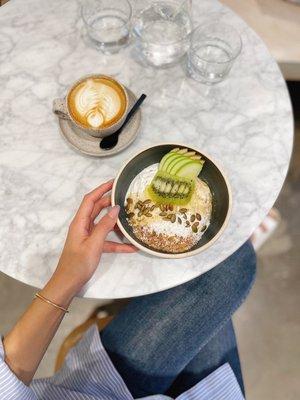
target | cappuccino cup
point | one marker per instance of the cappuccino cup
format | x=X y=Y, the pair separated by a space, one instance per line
x=96 y=104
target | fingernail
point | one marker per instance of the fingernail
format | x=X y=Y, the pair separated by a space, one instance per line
x=114 y=211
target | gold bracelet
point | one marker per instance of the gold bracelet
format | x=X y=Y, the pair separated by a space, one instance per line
x=39 y=296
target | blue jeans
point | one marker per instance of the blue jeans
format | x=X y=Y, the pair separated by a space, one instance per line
x=166 y=342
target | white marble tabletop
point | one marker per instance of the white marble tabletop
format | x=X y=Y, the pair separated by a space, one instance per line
x=245 y=123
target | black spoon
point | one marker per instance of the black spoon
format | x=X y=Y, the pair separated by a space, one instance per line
x=110 y=141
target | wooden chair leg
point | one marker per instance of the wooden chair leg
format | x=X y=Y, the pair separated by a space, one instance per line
x=101 y=316
x=73 y=338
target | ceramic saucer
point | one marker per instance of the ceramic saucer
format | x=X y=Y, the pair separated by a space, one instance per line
x=87 y=144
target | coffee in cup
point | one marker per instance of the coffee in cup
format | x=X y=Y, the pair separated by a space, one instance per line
x=97 y=104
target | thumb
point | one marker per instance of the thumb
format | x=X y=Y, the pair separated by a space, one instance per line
x=106 y=224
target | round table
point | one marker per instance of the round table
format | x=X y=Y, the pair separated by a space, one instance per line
x=245 y=123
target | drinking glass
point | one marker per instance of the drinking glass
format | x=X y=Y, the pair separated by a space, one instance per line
x=162 y=31
x=213 y=50
x=107 y=23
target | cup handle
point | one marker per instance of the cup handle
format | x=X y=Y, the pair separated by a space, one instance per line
x=60 y=108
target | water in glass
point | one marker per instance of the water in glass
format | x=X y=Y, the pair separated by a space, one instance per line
x=107 y=23
x=211 y=61
x=214 y=48
x=162 y=32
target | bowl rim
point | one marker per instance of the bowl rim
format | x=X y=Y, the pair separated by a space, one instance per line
x=187 y=253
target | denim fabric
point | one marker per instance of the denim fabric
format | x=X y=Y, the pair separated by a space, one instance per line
x=219 y=350
x=162 y=336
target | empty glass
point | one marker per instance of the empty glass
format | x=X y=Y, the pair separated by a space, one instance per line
x=214 y=48
x=162 y=30
x=107 y=23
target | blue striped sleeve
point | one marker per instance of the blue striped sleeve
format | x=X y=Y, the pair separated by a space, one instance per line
x=87 y=373
x=219 y=385
x=11 y=388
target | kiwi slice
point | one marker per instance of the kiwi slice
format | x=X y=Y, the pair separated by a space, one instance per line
x=169 y=189
x=174 y=183
x=175 y=188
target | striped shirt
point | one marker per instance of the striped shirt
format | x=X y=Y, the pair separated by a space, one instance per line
x=89 y=374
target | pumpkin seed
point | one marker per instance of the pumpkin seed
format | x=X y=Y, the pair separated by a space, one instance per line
x=152 y=207
x=130 y=215
x=194 y=228
x=140 y=214
x=198 y=216
x=187 y=223
x=173 y=218
x=196 y=223
x=171 y=208
x=183 y=210
x=179 y=220
x=193 y=217
x=184 y=216
x=163 y=214
x=203 y=228
x=147 y=201
x=148 y=214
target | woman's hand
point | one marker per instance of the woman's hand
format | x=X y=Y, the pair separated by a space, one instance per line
x=86 y=240
x=27 y=342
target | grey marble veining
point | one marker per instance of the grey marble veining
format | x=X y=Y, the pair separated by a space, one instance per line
x=245 y=123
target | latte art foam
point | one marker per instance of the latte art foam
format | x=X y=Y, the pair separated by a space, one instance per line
x=97 y=102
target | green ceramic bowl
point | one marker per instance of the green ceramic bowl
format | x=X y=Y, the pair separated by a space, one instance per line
x=211 y=174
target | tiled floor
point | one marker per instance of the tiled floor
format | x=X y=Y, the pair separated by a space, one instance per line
x=267 y=324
